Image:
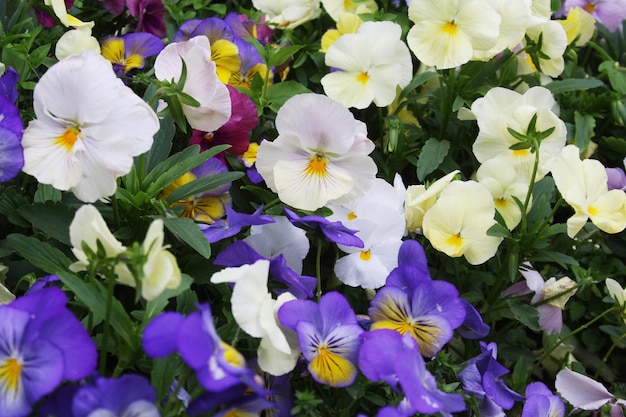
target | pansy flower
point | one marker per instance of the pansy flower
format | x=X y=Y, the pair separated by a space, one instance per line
x=11 y=131
x=209 y=205
x=232 y=224
x=319 y=156
x=411 y=303
x=541 y=402
x=610 y=13
x=41 y=344
x=149 y=14
x=8 y=83
x=288 y=14
x=334 y=231
x=130 y=51
x=395 y=359
x=218 y=366
x=244 y=118
x=85 y=134
x=482 y=378
x=328 y=334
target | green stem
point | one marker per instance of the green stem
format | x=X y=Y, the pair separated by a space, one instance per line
x=608 y=354
x=569 y=335
x=599 y=49
x=446 y=100
x=107 y=323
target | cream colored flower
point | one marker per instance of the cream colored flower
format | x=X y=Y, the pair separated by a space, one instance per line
x=419 y=199
x=551 y=48
x=336 y=7
x=74 y=42
x=288 y=14
x=579 y=26
x=160 y=270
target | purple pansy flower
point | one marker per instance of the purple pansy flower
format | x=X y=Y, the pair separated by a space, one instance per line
x=128 y=395
x=233 y=223
x=234 y=401
x=130 y=51
x=41 y=344
x=388 y=356
x=334 y=231
x=610 y=13
x=482 y=378
x=328 y=335
x=616 y=178
x=240 y=253
x=541 y=402
x=11 y=131
x=150 y=15
x=8 y=83
x=412 y=303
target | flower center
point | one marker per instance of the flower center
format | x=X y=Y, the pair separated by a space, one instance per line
x=455 y=240
x=363 y=77
x=589 y=7
x=592 y=210
x=68 y=138
x=10 y=372
x=317 y=165
x=365 y=255
x=351 y=216
x=520 y=152
x=501 y=203
x=450 y=28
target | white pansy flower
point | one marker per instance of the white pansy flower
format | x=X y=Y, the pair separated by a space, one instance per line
x=85 y=134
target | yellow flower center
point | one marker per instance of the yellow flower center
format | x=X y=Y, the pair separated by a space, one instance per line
x=351 y=216
x=317 y=166
x=347 y=4
x=455 y=240
x=68 y=138
x=590 y=7
x=365 y=255
x=520 y=152
x=592 y=210
x=10 y=372
x=450 y=28
x=501 y=203
x=363 y=78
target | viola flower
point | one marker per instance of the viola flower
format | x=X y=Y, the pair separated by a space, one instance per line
x=224 y=51
x=482 y=378
x=585 y=393
x=335 y=8
x=8 y=83
x=234 y=401
x=208 y=206
x=618 y=294
x=610 y=13
x=202 y=83
x=244 y=27
x=59 y=7
x=84 y=137
x=579 y=26
x=150 y=16
x=130 y=51
x=232 y=224
x=502 y=181
x=74 y=42
x=244 y=118
x=446 y=33
x=420 y=199
x=89 y=228
x=388 y=356
x=369 y=66
x=541 y=402
x=11 y=131
x=288 y=14
x=328 y=335
x=584 y=185
x=457 y=223
x=515 y=17
x=616 y=178
x=127 y=395
x=251 y=65
x=411 y=303
x=280 y=237
x=473 y=326
x=240 y=253
x=255 y=311
x=500 y=110
x=319 y=156
x=549 y=52
x=335 y=231
x=346 y=23
x=218 y=366
x=41 y=344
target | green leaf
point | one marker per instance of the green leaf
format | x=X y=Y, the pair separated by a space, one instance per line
x=40 y=254
x=585 y=125
x=283 y=54
x=10 y=201
x=46 y=192
x=277 y=94
x=201 y=185
x=51 y=218
x=520 y=373
x=562 y=259
x=190 y=233
x=162 y=144
x=164 y=371
x=573 y=84
x=94 y=297
x=616 y=74
x=526 y=315
x=419 y=80
x=498 y=230
x=432 y=155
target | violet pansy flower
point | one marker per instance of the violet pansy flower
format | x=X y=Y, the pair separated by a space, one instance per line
x=233 y=223
x=130 y=51
x=616 y=178
x=395 y=359
x=541 y=402
x=334 y=231
x=41 y=344
x=150 y=15
x=11 y=130
x=328 y=335
x=482 y=378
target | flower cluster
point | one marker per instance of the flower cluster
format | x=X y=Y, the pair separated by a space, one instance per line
x=312 y=207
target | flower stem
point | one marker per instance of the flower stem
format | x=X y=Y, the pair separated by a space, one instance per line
x=318 y=270
x=107 y=324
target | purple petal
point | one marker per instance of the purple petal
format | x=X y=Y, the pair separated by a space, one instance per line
x=10 y=117
x=473 y=326
x=160 y=335
x=237 y=254
x=335 y=311
x=299 y=286
x=550 y=318
x=8 y=81
x=42 y=372
x=499 y=392
x=183 y=32
x=407 y=277
x=412 y=254
x=143 y=44
x=11 y=155
x=214 y=29
x=377 y=352
x=294 y=311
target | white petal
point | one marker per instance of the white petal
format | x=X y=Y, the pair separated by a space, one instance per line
x=581 y=391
